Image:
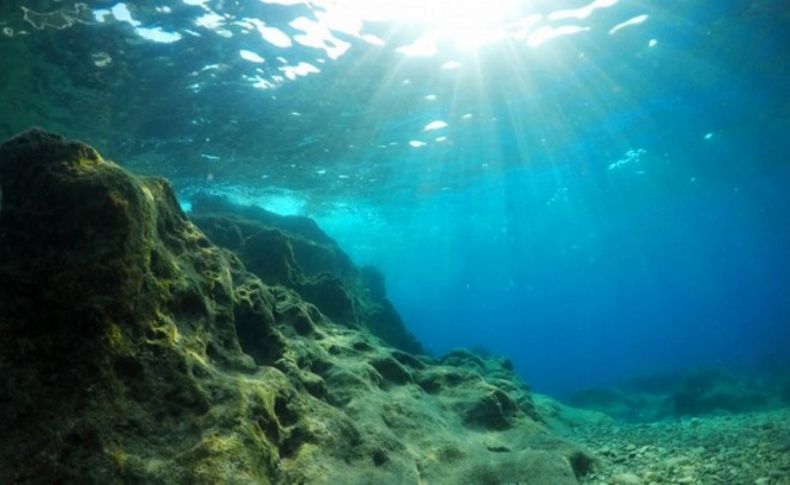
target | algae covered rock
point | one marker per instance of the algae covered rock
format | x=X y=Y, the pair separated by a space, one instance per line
x=135 y=350
x=710 y=390
x=695 y=392
x=294 y=252
x=117 y=322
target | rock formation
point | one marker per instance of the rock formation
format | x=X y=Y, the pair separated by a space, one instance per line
x=695 y=392
x=294 y=252
x=133 y=349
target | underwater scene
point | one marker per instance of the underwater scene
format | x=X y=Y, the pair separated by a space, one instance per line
x=469 y=242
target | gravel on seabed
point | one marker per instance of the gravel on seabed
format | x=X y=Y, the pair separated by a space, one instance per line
x=745 y=449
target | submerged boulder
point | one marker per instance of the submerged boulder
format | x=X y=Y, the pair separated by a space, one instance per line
x=695 y=392
x=134 y=350
x=117 y=321
x=711 y=390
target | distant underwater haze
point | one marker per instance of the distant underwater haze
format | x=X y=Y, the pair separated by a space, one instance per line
x=595 y=190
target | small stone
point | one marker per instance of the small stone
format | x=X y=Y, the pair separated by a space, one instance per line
x=652 y=476
x=762 y=481
x=686 y=480
x=687 y=470
x=626 y=479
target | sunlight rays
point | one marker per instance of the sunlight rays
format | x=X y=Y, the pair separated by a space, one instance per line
x=511 y=75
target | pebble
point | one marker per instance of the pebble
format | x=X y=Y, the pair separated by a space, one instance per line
x=695 y=422
x=652 y=476
x=626 y=479
x=675 y=461
x=714 y=450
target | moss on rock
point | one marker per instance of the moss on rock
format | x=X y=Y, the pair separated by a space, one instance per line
x=134 y=350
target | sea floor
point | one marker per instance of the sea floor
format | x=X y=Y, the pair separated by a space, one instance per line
x=752 y=448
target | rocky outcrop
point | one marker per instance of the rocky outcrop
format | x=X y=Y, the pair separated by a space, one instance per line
x=696 y=392
x=294 y=252
x=135 y=350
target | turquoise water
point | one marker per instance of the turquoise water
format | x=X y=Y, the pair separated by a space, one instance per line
x=595 y=190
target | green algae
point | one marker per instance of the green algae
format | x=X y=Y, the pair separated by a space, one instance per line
x=294 y=252
x=135 y=350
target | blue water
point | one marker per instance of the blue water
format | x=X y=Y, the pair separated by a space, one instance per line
x=607 y=278
x=596 y=190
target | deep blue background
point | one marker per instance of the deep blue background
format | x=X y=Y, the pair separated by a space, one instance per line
x=585 y=276
x=609 y=282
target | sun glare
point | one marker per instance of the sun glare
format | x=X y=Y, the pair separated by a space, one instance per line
x=466 y=23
